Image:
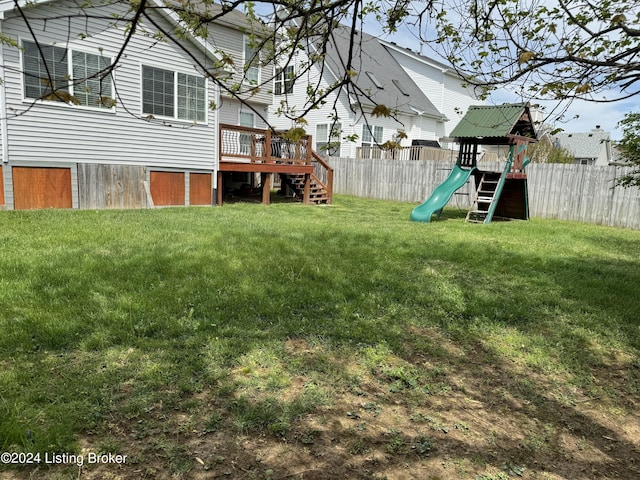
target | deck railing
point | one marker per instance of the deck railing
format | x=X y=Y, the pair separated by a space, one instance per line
x=244 y=144
x=323 y=175
x=417 y=153
x=266 y=147
x=406 y=153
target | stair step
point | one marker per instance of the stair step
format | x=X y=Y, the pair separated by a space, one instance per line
x=317 y=193
x=476 y=216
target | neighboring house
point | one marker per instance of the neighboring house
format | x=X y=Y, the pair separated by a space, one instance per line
x=384 y=74
x=439 y=82
x=144 y=134
x=593 y=148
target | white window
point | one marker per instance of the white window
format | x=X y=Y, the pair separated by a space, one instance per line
x=251 y=63
x=57 y=74
x=166 y=93
x=284 y=80
x=247 y=119
x=328 y=144
x=191 y=97
x=371 y=135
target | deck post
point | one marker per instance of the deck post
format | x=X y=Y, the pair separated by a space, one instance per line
x=306 y=197
x=266 y=187
x=219 y=193
x=267 y=146
x=309 y=151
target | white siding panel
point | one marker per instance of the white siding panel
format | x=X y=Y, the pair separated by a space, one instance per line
x=60 y=133
x=446 y=91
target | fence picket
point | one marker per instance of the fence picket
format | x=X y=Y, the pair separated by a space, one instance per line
x=569 y=192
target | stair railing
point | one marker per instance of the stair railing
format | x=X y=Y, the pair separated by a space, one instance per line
x=325 y=170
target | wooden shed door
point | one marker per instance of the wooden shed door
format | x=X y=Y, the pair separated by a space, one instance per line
x=167 y=188
x=36 y=187
x=200 y=189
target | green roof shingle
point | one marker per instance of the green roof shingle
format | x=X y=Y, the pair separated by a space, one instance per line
x=492 y=121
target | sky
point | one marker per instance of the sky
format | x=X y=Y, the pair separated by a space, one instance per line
x=580 y=116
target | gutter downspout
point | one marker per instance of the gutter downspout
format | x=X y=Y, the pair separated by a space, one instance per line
x=217 y=148
x=4 y=127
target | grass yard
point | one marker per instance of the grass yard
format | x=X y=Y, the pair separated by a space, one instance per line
x=293 y=342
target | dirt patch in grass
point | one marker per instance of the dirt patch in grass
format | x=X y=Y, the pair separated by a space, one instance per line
x=456 y=414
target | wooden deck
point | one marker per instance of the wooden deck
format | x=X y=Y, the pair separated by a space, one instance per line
x=267 y=152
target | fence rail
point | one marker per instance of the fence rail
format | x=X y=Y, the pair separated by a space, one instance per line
x=415 y=153
x=567 y=192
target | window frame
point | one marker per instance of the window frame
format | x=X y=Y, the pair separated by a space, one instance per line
x=331 y=144
x=247 y=66
x=371 y=131
x=71 y=84
x=282 y=84
x=244 y=139
x=175 y=74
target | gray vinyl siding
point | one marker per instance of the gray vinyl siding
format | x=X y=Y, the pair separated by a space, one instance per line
x=230 y=112
x=231 y=41
x=53 y=132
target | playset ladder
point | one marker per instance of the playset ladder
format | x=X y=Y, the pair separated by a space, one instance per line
x=487 y=193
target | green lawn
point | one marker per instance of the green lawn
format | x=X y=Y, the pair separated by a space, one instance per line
x=318 y=342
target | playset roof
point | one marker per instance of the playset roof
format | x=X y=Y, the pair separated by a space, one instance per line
x=496 y=124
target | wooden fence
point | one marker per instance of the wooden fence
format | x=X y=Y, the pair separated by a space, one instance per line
x=111 y=186
x=567 y=192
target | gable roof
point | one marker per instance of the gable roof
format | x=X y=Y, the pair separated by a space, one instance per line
x=583 y=145
x=495 y=123
x=378 y=73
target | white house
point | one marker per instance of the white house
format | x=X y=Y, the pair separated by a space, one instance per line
x=439 y=82
x=588 y=148
x=143 y=133
x=425 y=105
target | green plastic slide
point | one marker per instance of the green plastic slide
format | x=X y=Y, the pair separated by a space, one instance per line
x=441 y=195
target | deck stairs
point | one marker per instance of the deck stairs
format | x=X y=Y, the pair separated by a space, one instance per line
x=318 y=193
x=487 y=195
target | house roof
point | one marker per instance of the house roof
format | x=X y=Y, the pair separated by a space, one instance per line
x=495 y=122
x=419 y=57
x=583 y=145
x=221 y=15
x=378 y=74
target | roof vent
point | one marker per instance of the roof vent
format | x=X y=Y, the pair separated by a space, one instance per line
x=375 y=81
x=400 y=87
